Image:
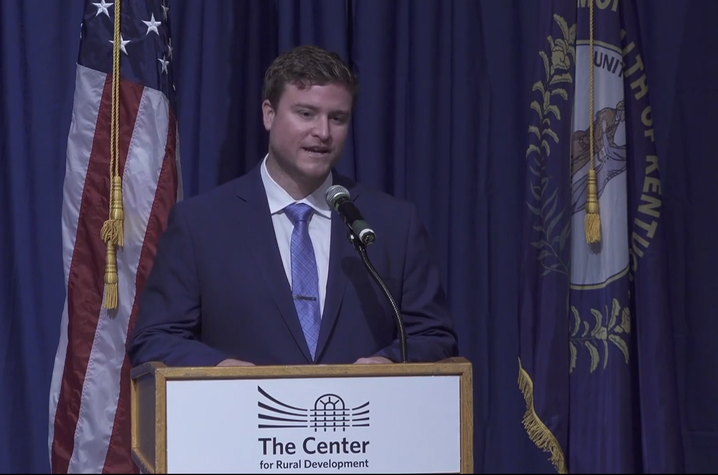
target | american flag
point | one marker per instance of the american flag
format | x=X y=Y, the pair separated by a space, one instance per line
x=89 y=424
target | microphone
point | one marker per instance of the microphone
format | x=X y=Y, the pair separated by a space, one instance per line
x=362 y=235
x=338 y=198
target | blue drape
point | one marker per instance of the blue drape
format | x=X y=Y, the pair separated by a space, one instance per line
x=688 y=128
x=441 y=120
x=38 y=47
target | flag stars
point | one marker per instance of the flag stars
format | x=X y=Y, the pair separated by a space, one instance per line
x=164 y=62
x=165 y=10
x=169 y=49
x=102 y=7
x=123 y=42
x=152 y=25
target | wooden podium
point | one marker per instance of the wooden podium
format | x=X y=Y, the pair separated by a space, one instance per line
x=386 y=418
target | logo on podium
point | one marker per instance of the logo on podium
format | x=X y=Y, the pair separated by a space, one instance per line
x=329 y=413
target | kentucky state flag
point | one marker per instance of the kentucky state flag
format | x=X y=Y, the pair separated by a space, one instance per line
x=597 y=367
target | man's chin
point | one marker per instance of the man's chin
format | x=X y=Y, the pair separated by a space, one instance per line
x=315 y=176
x=318 y=168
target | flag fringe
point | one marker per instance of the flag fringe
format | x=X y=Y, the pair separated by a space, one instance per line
x=535 y=428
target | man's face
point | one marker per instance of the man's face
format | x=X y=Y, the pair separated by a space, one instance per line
x=308 y=130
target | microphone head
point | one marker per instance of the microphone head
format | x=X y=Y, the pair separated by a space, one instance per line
x=334 y=193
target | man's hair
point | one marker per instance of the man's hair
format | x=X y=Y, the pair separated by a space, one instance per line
x=306 y=66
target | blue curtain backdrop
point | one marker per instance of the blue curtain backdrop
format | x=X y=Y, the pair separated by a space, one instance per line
x=441 y=120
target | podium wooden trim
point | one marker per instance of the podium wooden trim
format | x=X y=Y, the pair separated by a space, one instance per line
x=149 y=397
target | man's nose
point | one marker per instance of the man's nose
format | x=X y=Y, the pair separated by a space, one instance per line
x=321 y=128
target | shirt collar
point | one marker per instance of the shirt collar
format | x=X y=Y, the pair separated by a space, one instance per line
x=279 y=199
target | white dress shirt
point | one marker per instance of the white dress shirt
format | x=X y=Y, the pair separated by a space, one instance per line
x=320 y=227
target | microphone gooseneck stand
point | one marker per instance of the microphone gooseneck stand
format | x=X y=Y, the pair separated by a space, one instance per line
x=361 y=249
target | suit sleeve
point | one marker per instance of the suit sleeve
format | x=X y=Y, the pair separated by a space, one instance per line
x=424 y=307
x=168 y=321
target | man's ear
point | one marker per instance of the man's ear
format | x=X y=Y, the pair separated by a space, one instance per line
x=267 y=114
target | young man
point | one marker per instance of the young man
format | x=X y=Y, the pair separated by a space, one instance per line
x=260 y=270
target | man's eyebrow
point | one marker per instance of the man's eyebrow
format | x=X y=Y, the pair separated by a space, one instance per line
x=300 y=105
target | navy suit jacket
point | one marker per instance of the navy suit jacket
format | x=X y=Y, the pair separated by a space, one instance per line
x=218 y=289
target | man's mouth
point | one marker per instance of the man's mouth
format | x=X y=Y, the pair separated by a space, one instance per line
x=318 y=151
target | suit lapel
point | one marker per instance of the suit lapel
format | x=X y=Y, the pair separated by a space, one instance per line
x=337 y=278
x=262 y=241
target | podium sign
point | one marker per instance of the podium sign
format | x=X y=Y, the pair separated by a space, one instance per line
x=399 y=418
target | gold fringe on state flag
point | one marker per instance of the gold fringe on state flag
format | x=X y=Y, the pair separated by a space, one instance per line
x=535 y=428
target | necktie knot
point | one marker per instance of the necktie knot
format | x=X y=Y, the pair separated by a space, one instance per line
x=298 y=212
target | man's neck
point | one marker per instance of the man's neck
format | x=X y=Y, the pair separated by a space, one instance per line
x=295 y=188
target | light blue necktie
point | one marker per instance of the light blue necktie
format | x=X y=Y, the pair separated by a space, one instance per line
x=305 y=280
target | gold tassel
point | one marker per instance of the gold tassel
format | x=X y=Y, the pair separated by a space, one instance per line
x=593 y=219
x=111 y=279
x=113 y=228
x=112 y=231
x=113 y=234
